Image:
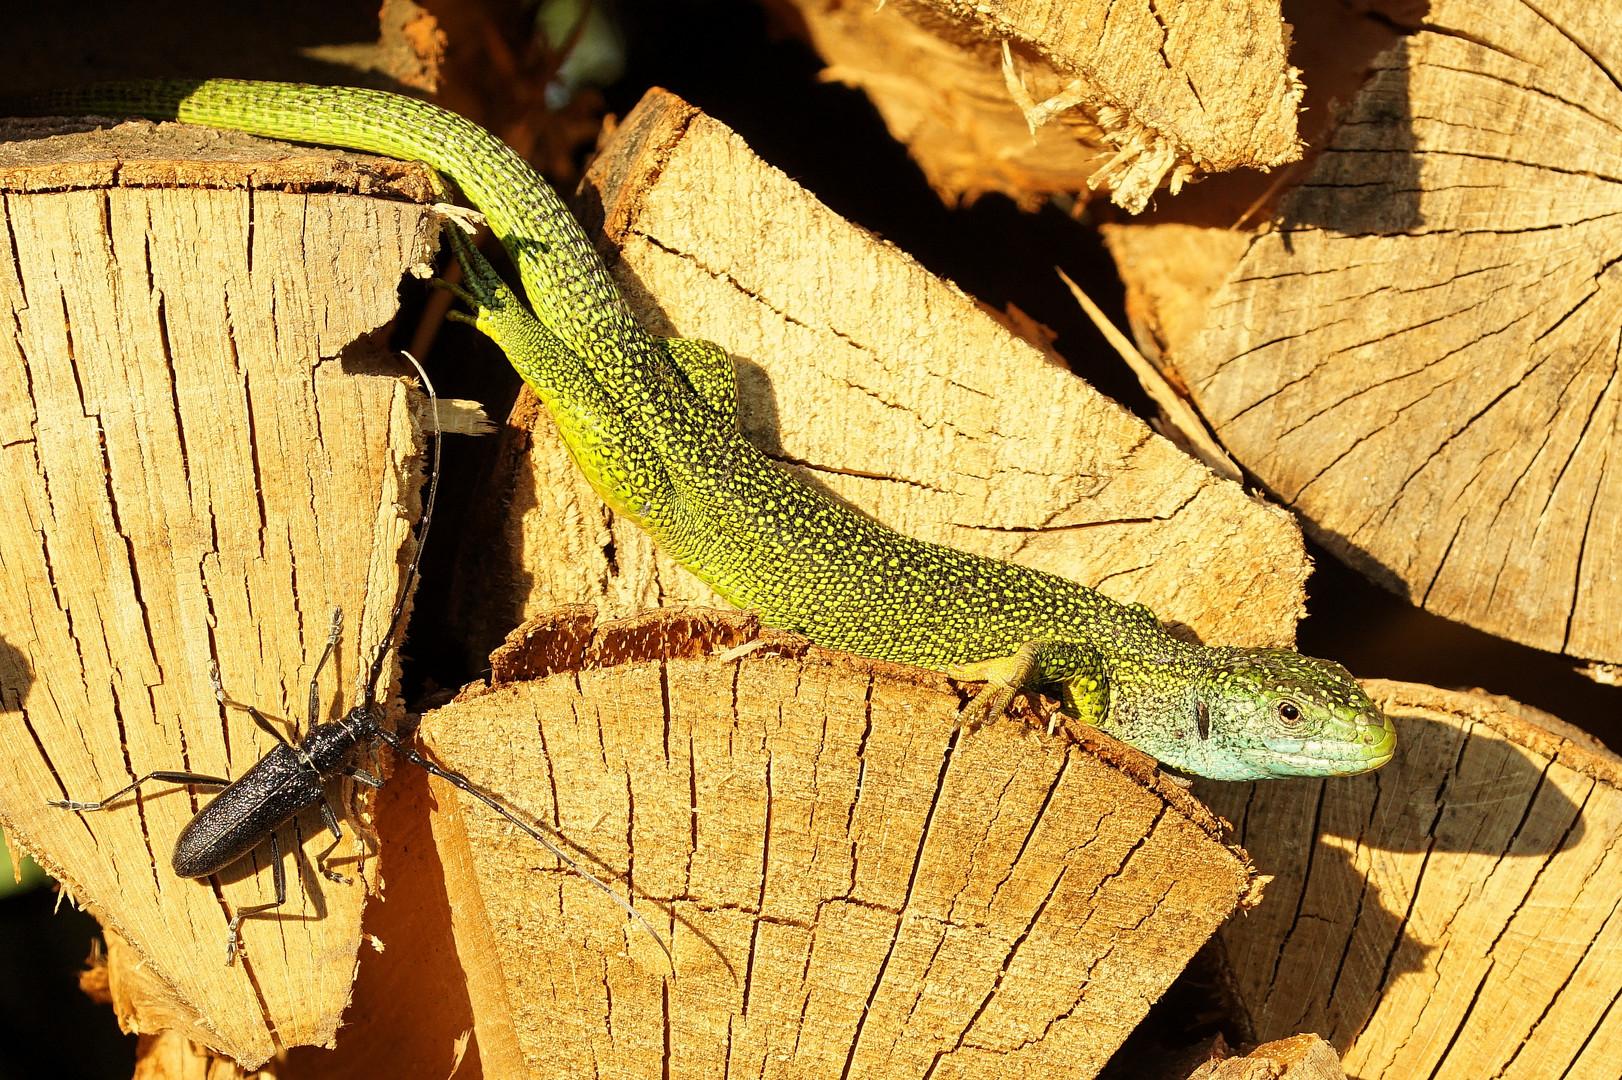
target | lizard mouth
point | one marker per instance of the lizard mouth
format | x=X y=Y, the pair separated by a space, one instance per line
x=1378 y=741
x=1371 y=744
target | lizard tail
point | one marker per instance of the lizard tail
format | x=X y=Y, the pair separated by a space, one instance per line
x=567 y=284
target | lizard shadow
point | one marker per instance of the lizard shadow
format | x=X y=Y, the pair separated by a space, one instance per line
x=1371 y=871
x=759 y=419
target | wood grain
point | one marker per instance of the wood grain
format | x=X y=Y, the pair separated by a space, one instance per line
x=203 y=454
x=850 y=887
x=1121 y=97
x=1421 y=357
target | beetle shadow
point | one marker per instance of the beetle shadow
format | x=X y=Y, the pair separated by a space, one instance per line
x=305 y=877
x=16 y=677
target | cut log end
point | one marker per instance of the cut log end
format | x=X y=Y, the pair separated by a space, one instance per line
x=1015 y=98
x=1419 y=352
x=841 y=876
x=1465 y=897
x=206 y=457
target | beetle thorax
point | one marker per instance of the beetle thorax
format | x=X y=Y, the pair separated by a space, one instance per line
x=327 y=745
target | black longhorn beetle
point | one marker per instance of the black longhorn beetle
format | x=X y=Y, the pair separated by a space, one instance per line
x=293 y=775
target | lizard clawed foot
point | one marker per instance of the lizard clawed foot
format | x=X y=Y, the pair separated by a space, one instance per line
x=495 y=309
x=456 y=291
x=991 y=702
x=1005 y=676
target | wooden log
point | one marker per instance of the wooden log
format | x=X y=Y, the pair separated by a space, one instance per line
x=1453 y=915
x=205 y=452
x=850 y=887
x=1420 y=355
x=169 y=1055
x=1032 y=98
x=883 y=385
x=1300 y=1057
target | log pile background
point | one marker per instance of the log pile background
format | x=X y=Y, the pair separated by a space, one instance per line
x=1405 y=334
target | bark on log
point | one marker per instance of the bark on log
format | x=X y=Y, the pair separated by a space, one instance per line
x=849 y=887
x=1453 y=915
x=882 y=385
x=1421 y=356
x=204 y=453
x=1032 y=98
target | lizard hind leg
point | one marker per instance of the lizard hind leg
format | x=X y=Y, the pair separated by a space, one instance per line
x=1077 y=669
x=497 y=312
x=709 y=371
x=601 y=432
x=493 y=304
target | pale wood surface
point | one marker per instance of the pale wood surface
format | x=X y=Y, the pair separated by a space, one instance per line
x=203 y=455
x=883 y=385
x=1453 y=915
x=409 y=1016
x=1124 y=97
x=849 y=888
x=1421 y=355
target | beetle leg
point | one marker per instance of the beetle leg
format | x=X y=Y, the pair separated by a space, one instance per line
x=258 y=717
x=233 y=938
x=363 y=777
x=333 y=635
x=337 y=837
x=161 y=774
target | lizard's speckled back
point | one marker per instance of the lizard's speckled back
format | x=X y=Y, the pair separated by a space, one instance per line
x=653 y=424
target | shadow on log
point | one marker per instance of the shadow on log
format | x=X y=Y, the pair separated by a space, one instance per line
x=1032 y=99
x=1419 y=352
x=1453 y=915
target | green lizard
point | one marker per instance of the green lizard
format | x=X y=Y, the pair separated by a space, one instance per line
x=652 y=423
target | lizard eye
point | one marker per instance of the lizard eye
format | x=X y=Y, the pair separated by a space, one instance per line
x=1289 y=712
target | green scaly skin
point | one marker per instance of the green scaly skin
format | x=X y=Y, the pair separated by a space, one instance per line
x=652 y=423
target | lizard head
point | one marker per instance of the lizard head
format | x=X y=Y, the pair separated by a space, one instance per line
x=1272 y=712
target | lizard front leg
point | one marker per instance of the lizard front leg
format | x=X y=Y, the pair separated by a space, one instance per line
x=1077 y=669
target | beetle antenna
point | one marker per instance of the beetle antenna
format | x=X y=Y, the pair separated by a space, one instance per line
x=398 y=745
x=388 y=643
x=468 y=786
